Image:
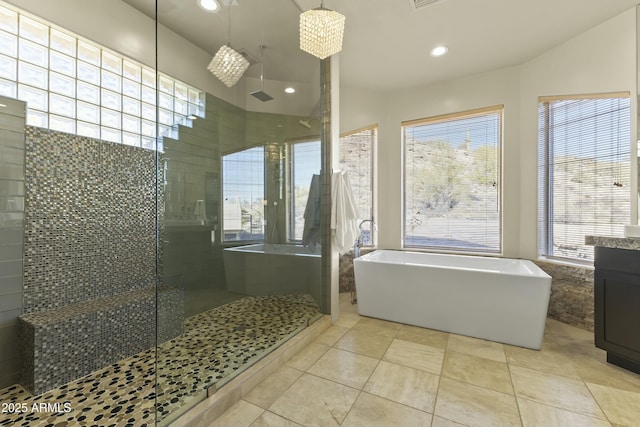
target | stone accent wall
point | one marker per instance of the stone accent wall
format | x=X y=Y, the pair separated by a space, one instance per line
x=347 y=277
x=571 y=298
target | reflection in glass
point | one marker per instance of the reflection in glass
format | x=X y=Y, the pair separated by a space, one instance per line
x=243 y=195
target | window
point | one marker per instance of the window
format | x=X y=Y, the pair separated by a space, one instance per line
x=243 y=194
x=356 y=157
x=74 y=86
x=584 y=169
x=452 y=181
x=305 y=162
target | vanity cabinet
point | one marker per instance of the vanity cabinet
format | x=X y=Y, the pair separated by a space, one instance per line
x=617 y=305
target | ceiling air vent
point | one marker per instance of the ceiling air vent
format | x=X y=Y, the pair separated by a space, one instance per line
x=419 y=4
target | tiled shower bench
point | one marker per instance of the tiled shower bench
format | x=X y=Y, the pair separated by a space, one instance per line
x=60 y=345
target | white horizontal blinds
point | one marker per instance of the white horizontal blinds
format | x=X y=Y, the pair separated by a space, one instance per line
x=243 y=191
x=584 y=172
x=452 y=182
x=356 y=157
x=304 y=164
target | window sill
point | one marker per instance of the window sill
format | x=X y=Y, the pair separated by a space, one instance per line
x=576 y=264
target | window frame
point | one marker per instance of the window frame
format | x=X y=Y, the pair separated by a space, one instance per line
x=374 y=128
x=290 y=205
x=477 y=112
x=240 y=242
x=545 y=208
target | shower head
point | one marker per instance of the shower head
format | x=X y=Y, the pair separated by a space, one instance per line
x=305 y=123
x=261 y=95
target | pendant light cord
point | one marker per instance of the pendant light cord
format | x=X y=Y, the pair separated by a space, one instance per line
x=229 y=25
x=262 y=67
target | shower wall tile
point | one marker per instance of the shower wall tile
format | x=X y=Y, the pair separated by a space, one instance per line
x=90 y=257
x=91 y=223
x=12 y=175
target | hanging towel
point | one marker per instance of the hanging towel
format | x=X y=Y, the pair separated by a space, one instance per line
x=311 y=230
x=344 y=212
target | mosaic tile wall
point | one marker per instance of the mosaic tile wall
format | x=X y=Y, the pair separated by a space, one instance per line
x=90 y=259
x=90 y=227
x=571 y=299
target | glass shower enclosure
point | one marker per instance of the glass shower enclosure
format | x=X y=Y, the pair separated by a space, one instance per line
x=161 y=232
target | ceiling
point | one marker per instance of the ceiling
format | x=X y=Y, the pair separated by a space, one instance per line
x=387 y=42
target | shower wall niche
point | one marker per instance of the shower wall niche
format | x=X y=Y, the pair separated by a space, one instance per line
x=90 y=258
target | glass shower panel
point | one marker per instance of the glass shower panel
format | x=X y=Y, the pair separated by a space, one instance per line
x=77 y=218
x=246 y=283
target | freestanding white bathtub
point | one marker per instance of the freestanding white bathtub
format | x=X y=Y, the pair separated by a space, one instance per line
x=497 y=299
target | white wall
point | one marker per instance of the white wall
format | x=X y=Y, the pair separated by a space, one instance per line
x=481 y=90
x=602 y=59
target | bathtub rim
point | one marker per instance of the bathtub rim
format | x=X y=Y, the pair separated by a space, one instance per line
x=247 y=250
x=371 y=257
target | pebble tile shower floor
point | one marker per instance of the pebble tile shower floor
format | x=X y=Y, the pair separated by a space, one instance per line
x=215 y=346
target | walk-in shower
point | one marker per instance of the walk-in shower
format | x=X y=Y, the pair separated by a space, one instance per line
x=126 y=185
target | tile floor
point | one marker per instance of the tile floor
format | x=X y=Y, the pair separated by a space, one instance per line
x=368 y=372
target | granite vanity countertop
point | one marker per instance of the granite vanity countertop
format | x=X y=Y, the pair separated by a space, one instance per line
x=632 y=243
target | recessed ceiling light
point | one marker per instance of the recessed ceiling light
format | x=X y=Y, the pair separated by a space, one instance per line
x=3 y=105
x=290 y=90
x=208 y=5
x=439 y=50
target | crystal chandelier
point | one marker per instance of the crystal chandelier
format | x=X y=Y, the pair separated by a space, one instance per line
x=321 y=32
x=227 y=64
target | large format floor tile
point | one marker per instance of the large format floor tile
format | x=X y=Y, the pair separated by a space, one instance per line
x=424 y=336
x=416 y=356
x=476 y=347
x=475 y=406
x=373 y=411
x=408 y=386
x=551 y=360
x=269 y=390
x=555 y=390
x=315 y=401
x=437 y=379
x=344 y=367
x=621 y=407
x=477 y=371
x=536 y=414
x=362 y=342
